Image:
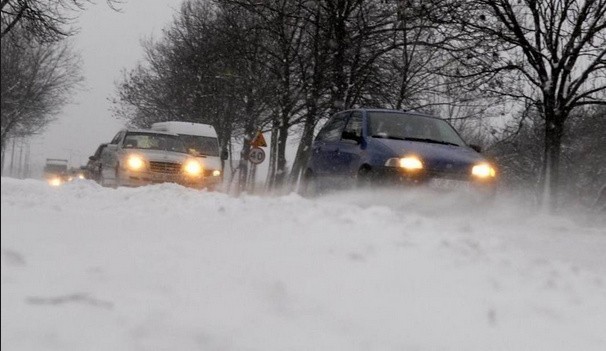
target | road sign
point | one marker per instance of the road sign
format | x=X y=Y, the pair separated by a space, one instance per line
x=259 y=140
x=256 y=155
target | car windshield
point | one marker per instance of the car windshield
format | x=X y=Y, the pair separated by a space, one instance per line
x=55 y=168
x=200 y=145
x=153 y=141
x=405 y=126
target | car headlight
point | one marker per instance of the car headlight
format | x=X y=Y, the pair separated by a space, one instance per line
x=55 y=181
x=192 y=168
x=409 y=163
x=216 y=173
x=483 y=171
x=135 y=163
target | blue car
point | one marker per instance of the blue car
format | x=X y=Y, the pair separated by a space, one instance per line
x=363 y=147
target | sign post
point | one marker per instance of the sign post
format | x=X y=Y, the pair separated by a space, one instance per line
x=256 y=155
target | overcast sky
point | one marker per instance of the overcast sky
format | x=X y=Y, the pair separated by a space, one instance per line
x=108 y=42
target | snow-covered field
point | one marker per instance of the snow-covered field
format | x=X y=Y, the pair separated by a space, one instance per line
x=169 y=268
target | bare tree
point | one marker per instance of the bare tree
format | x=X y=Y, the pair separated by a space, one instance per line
x=547 y=53
x=43 y=20
x=312 y=65
x=583 y=154
x=35 y=83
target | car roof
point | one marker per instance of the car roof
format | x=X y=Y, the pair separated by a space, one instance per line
x=148 y=131
x=56 y=161
x=408 y=112
x=186 y=128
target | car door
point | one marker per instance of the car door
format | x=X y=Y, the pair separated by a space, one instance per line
x=349 y=148
x=94 y=164
x=326 y=145
x=109 y=157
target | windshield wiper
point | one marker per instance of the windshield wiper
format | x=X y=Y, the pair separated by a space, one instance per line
x=428 y=140
x=385 y=136
x=425 y=140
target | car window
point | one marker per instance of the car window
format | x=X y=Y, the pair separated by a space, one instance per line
x=117 y=138
x=201 y=145
x=354 y=125
x=99 y=151
x=333 y=129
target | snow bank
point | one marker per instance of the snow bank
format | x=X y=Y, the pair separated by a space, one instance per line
x=169 y=268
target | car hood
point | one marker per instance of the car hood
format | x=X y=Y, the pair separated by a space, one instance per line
x=436 y=157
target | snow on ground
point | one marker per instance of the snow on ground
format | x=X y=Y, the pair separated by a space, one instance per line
x=169 y=268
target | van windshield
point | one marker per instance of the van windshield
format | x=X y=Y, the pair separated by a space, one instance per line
x=207 y=146
x=55 y=168
x=153 y=141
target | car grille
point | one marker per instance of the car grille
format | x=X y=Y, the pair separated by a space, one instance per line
x=165 y=167
x=458 y=175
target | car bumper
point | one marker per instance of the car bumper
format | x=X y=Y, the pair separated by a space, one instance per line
x=442 y=181
x=134 y=179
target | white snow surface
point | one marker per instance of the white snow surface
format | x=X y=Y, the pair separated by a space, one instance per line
x=164 y=267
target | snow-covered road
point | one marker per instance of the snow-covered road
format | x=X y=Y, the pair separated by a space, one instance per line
x=169 y=268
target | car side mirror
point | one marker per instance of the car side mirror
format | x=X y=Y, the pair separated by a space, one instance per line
x=224 y=155
x=477 y=148
x=347 y=135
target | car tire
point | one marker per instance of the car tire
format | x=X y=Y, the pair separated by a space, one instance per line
x=97 y=175
x=104 y=182
x=482 y=196
x=365 y=178
x=117 y=178
x=309 y=185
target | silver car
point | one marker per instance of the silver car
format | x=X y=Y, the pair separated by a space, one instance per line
x=139 y=157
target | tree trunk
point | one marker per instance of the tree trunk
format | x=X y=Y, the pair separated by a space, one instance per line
x=281 y=156
x=3 y=142
x=551 y=163
x=304 y=149
x=273 y=151
x=340 y=42
x=249 y=132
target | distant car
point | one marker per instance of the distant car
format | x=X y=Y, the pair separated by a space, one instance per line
x=75 y=173
x=92 y=170
x=372 y=146
x=56 y=171
x=137 y=157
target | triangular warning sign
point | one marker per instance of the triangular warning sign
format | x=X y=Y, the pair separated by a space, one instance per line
x=259 y=140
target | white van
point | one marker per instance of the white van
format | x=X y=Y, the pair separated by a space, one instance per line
x=201 y=140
